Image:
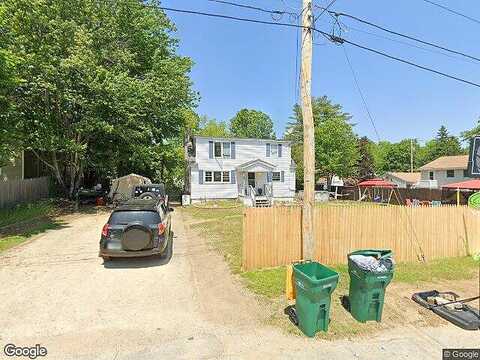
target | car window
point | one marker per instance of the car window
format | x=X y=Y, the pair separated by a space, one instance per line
x=125 y=217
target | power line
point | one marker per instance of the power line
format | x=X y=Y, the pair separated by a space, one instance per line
x=357 y=84
x=452 y=11
x=340 y=40
x=406 y=36
x=275 y=12
x=332 y=38
x=410 y=44
x=228 y=17
x=325 y=9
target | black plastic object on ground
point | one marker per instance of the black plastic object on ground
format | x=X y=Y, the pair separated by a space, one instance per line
x=467 y=318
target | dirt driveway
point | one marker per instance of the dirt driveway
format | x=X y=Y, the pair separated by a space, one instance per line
x=56 y=292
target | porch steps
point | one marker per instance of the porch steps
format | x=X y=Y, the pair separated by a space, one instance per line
x=262 y=201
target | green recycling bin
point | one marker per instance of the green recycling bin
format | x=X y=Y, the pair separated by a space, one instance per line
x=367 y=287
x=314 y=284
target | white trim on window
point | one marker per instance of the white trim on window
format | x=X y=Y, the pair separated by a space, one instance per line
x=216 y=177
x=208 y=177
x=276 y=176
x=222 y=150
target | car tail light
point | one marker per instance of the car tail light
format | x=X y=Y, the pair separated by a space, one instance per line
x=161 y=228
x=105 y=230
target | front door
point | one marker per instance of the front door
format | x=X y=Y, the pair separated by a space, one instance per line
x=251 y=179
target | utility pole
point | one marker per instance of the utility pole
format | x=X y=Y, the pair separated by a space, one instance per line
x=308 y=245
x=411 y=155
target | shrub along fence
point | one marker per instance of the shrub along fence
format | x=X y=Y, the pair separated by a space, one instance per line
x=272 y=236
x=17 y=191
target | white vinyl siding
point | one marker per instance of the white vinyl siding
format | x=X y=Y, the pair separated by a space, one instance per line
x=245 y=150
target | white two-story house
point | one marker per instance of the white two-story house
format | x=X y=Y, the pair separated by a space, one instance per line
x=256 y=171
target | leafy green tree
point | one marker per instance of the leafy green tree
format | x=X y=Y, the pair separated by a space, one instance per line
x=101 y=84
x=467 y=135
x=9 y=141
x=336 y=145
x=213 y=128
x=366 y=166
x=252 y=124
x=444 y=144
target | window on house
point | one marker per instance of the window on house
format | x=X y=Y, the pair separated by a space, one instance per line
x=226 y=150
x=450 y=173
x=431 y=175
x=465 y=173
x=208 y=176
x=226 y=176
x=217 y=176
x=274 y=150
x=218 y=149
x=276 y=176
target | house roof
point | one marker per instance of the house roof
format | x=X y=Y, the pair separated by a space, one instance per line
x=408 y=177
x=243 y=139
x=469 y=185
x=447 y=163
x=256 y=163
x=377 y=183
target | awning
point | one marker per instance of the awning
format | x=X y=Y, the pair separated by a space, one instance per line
x=473 y=184
x=377 y=183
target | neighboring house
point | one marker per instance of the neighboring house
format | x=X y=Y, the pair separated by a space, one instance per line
x=445 y=170
x=25 y=166
x=253 y=170
x=404 y=180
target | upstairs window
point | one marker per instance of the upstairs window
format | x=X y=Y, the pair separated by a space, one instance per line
x=450 y=173
x=218 y=149
x=226 y=150
x=274 y=150
x=431 y=177
x=222 y=150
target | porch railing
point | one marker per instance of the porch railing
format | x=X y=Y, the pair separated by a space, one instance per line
x=269 y=192
x=252 y=194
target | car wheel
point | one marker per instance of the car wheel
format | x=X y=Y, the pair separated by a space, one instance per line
x=147 y=196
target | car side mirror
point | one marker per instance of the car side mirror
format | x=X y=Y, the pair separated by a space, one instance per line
x=170 y=209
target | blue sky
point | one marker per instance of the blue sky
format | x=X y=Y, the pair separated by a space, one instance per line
x=243 y=65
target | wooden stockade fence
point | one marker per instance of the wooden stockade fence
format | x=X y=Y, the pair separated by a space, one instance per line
x=17 y=191
x=272 y=236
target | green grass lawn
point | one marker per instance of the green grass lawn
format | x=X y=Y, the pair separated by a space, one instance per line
x=223 y=230
x=25 y=212
x=24 y=221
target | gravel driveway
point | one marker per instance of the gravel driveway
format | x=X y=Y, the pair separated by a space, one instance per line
x=56 y=292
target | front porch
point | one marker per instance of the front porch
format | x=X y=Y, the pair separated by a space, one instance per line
x=255 y=183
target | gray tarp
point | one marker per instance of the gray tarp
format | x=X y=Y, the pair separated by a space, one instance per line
x=121 y=188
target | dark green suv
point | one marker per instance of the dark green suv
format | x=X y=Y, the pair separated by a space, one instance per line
x=137 y=228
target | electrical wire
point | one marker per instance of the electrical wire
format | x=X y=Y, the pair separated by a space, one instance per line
x=452 y=11
x=359 y=89
x=410 y=44
x=250 y=7
x=340 y=40
x=324 y=9
x=405 y=36
x=335 y=39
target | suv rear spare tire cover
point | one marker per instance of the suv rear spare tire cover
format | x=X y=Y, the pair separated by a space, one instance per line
x=136 y=237
x=148 y=196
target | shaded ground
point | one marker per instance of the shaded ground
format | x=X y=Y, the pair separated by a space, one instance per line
x=56 y=292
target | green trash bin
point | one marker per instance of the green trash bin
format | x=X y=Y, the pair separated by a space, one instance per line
x=367 y=288
x=314 y=284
